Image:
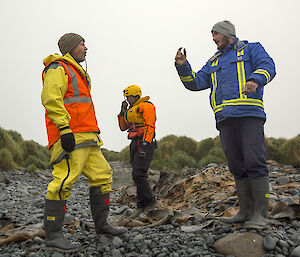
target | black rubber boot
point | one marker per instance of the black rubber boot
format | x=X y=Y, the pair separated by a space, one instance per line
x=53 y=220
x=100 y=209
x=244 y=194
x=260 y=191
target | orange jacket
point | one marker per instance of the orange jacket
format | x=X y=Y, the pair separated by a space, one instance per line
x=78 y=103
x=140 y=120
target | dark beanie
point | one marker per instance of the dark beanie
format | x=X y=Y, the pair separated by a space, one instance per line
x=226 y=28
x=68 y=42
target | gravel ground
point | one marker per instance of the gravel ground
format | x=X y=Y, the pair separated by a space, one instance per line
x=22 y=200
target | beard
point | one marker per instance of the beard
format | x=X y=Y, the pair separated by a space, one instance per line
x=224 y=43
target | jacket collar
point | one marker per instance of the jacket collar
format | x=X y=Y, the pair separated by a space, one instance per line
x=68 y=58
x=142 y=99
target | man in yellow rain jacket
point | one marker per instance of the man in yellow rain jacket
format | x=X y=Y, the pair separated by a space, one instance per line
x=74 y=142
x=139 y=119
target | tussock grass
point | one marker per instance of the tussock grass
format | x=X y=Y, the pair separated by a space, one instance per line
x=6 y=160
x=182 y=159
x=124 y=155
x=204 y=147
x=18 y=153
x=174 y=153
x=109 y=155
x=290 y=152
x=6 y=141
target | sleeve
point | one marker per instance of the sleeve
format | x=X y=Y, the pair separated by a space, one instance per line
x=191 y=80
x=122 y=123
x=149 y=114
x=54 y=88
x=263 y=65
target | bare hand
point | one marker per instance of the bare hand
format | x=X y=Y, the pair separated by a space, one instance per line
x=180 y=57
x=250 y=87
x=124 y=106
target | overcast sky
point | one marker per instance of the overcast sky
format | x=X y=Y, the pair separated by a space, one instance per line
x=134 y=42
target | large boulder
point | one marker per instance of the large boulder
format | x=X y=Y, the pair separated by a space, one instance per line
x=241 y=245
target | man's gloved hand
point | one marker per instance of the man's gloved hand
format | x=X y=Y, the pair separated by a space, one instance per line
x=123 y=107
x=68 y=142
x=143 y=150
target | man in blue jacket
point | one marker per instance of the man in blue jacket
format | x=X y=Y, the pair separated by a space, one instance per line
x=236 y=75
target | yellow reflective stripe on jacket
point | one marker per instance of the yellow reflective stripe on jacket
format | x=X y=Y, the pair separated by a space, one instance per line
x=215 y=84
x=248 y=100
x=215 y=63
x=264 y=72
x=188 y=78
x=239 y=101
x=243 y=99
x=241 y=74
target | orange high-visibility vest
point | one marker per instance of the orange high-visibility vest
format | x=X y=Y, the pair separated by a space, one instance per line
x=78 y=103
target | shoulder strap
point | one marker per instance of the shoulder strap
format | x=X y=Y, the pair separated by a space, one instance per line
x=214 y=57
x=240 y=45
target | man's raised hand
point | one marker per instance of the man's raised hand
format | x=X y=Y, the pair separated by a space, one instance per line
x=180 y=57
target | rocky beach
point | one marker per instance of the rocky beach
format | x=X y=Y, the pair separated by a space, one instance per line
x=186 y=223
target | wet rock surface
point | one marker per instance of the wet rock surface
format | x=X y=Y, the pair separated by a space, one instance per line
x=192 y=232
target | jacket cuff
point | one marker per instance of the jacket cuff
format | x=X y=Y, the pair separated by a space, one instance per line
x=65 y=130
x=256 y=79
x=184 y=69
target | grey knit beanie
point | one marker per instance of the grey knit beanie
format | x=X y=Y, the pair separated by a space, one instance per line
x=226 y=28
x=68 y=42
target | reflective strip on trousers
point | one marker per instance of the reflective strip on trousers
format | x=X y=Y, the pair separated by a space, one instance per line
x=64 y=153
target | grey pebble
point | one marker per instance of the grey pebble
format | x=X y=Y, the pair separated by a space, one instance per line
x=57 y=254
x=269 y=243
x=38 y=240
x=117 y=242
x=116 y=253
x=296 y=252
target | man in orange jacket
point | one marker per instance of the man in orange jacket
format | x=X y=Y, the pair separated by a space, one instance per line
x=139 y=119
x=74 y=142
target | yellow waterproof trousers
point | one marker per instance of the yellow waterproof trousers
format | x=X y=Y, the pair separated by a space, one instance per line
x=88 y=161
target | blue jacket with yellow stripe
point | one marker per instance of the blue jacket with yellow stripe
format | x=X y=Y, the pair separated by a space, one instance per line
x=226 y=74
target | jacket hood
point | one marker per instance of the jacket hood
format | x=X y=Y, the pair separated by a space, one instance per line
x=67 y=57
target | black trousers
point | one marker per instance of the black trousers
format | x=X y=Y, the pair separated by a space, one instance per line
x=144 y=194
x=243 y=142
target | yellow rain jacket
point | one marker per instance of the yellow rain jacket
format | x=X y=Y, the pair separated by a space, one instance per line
x=54 y=89
x=87 y=157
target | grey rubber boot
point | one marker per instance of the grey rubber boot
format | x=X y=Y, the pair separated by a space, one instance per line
x=53 y=220
x=260 y=191
x=245 y=199
x=137 y=213
x=100 y=209
x=150 y=207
